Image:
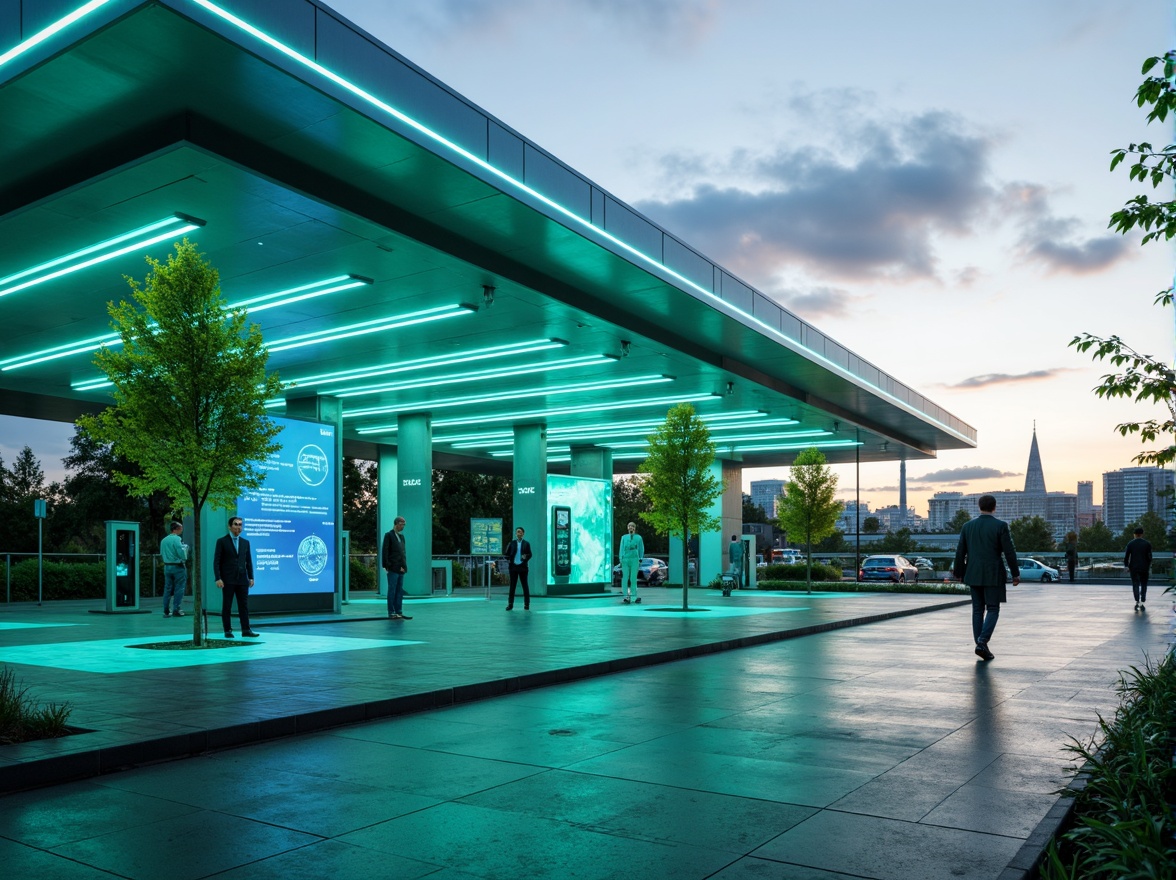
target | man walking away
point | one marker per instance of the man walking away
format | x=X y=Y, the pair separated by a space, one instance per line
x=979 y=564
x=1138 y=560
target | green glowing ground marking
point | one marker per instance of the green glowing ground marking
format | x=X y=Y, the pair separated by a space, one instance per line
x=410 y=600
x=10 y=625
x=711 y=611
x=117 y=655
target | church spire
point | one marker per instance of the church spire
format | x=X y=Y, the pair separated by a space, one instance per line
x=1034 y=476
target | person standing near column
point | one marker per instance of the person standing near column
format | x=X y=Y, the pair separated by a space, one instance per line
x=518 y=554
x=232 y=566
x=979 y=564
x=632 y=551
x=395 y=561
x=735 y=557
x=1138 y=559
x=174 y=554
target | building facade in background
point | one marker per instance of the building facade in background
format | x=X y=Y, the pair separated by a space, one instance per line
x=764 y=494
x=1129 y=493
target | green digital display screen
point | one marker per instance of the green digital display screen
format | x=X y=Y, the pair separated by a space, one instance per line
x=580 y=530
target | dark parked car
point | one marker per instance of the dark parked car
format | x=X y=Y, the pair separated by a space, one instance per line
x=896 y=569
x=650 y=572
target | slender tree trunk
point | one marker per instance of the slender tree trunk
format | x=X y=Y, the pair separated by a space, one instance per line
x=197 y=615
x=686 y=567
x=808 y=569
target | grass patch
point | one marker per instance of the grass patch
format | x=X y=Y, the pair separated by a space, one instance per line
x=23 y=718
x=192 y=646
x=1123 y=821
x=951 y=589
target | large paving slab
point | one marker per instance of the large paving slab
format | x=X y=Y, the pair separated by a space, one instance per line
x=885 y=750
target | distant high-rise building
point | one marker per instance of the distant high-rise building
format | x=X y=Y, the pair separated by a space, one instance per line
x=1059 y=509
x=1086 y=516
x=902 y=501
x=1129 y=493
x=764 y=494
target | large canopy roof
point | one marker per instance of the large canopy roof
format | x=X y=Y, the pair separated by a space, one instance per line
x=399 y=247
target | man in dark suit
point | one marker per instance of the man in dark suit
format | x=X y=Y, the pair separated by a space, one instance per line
x=518 y=554
x=985 y=546
x=395 y=562
x=1138 y=560
x=232 y=566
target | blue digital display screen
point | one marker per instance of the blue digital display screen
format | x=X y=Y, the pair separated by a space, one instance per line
x=580 y=514
x=290 y=520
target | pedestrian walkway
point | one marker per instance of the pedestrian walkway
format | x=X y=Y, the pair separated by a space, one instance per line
x=884 y=750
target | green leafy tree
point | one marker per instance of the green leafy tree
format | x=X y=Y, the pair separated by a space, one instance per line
x=871 y=525
x=753 y=513
x=458 y=496
x=21 y=485
x=630 y=505
x=190 y=388
x=957 y=522
x=901 y=542
x=1031 y=534
x=834 y=543
x=1096 y=538
x=808 y=508
x=1155 y=530
x=679 y=484
x=360 y=492
x=1142 y=377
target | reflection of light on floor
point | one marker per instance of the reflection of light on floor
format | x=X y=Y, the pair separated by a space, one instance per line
x=409 y=600
x=711 y=611
x=116 y=655
x=34 y=625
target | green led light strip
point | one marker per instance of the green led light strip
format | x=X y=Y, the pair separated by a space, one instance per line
x=144 y=236
x=271 y=300
x=475 y=399
x=59 y=25
x=497 y=373
x=481 y=163
x=437 y=360
x=574 y=410
x=378 y=325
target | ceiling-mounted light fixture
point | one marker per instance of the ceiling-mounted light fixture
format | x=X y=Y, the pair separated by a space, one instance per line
x=487 y=295
x=626 y=346
x=304 y=291
x=379 y=325
x=144 y=236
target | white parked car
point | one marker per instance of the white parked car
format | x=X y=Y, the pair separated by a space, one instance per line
x=1032 y=570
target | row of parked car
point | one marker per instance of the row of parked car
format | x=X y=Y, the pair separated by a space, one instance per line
x=896 y=569
x=900 y=570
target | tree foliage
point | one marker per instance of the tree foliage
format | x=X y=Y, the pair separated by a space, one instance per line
x=190 y=388
x=1096 y=538
x=680 y=484
x=871 y=525
x=808 y=509
x=360 y=496
x=1155 y=530
x=630 y=505
x=1138 y=376
x=458 y=496
x=901 y=542
x=957 y=522
x=1031 y=534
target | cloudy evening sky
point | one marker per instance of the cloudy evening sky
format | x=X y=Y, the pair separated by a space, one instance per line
x=927 y=182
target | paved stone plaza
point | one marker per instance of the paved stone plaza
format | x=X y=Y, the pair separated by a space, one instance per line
x=860 y=738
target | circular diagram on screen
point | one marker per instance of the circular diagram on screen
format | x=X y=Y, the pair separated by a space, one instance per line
x=312 y=555
x=312 y=464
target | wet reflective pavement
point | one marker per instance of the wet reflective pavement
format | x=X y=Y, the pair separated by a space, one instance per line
x=879 y=750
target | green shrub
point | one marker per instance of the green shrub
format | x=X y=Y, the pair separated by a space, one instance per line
x=22 y=718
x=461 y=575
x=363 y=576
x=60 y=580
x=951 y=589
x=1124 y=817
x=786 y=571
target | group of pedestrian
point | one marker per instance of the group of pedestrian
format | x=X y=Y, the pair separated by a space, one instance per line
x=986 y=547
x=985 y=560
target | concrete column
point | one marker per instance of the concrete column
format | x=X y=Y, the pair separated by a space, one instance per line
x=530 y=500
x=414 y=498
x=592 y=461
x=732 y=503
x=712 y=545
x=328 y=410
x=387 y=485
